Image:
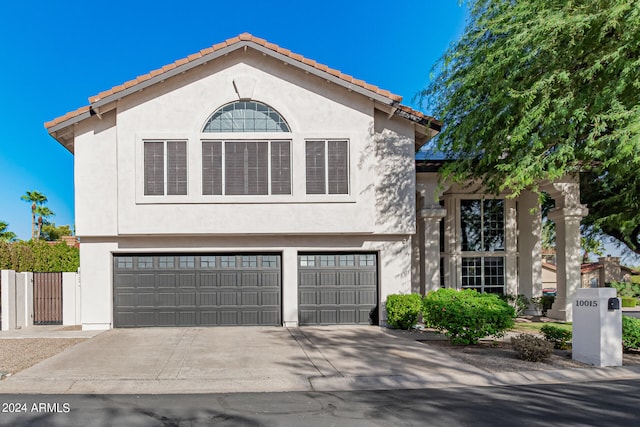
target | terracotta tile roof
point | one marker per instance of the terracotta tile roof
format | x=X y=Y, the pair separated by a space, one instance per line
x=587 y=268
x=405 y=111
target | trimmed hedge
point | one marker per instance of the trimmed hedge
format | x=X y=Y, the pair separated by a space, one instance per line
x=39 y=256
x=403 y=310
x=630 y=333
x=629 y=301
x=466 y=315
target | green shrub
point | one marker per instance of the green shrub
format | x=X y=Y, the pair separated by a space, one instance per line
x=559 y=337
x=630 y=333
x=520 y=303
x=466 y=316
x=530 y=348
x=403 y=310
x=38 y=256
x=547 y=302
x=629 y=301
x=625 y=289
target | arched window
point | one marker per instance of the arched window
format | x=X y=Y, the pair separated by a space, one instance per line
x=246 y=116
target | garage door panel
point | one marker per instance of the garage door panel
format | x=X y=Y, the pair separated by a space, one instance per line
x=192 y=290
x=307 y=279
x=187 y=280
x=147 y=280
x=336 y=288
x=208 y=280
x=208 y=299
x=347 y=278
x=228 y=279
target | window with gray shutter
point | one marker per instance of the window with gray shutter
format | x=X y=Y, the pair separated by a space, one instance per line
x=327 y=167
x=176 y=168
x=153 y=168
x=315 y=167
x=280 y=167
x=246 y=168
x=337 y=167
x=211 y=168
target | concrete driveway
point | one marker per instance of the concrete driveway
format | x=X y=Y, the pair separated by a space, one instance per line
x=261 y=359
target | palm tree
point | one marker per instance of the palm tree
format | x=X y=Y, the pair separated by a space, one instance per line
x=6 y=235
x=42 y=212
x=36 y=199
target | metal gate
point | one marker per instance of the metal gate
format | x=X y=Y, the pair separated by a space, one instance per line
x=47 y=298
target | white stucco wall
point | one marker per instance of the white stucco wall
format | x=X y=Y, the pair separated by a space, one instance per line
x=394 y=265
x=114 y=215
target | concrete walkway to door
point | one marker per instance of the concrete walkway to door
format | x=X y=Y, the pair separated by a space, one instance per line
x=263 y=359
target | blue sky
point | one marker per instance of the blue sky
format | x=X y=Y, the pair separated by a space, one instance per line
x=57 y=54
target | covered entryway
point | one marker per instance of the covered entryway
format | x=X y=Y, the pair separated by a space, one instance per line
x=197 y=289
x=337 y=288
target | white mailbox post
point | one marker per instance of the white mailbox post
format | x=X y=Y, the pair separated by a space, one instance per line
x=597 y=327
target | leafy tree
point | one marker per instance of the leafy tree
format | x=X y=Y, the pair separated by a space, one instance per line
x=51 y=232
x=43 y=213
x=6 y=235
x=540 y=89
x=36 y=199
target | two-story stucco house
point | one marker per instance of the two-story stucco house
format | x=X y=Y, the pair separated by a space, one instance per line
x=249 y=185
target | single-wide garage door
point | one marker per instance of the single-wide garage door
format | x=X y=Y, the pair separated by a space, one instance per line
x=196 y=289
x=337 y=288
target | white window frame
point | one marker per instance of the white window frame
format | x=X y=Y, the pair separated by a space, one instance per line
x=165 y=159
x=269 y=142
x=326 y=166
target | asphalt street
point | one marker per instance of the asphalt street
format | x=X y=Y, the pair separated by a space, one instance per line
x=614 y=403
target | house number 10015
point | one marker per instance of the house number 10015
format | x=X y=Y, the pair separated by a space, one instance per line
x=586 y=303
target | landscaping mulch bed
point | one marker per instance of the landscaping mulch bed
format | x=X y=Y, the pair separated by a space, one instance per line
x=499 y=355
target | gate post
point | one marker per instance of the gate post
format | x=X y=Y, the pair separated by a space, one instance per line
x=8 y=283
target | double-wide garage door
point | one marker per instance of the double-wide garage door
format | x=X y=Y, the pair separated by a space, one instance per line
x=197 y=289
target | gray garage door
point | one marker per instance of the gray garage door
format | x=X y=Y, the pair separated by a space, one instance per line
x=196 y=289
x=337 y=288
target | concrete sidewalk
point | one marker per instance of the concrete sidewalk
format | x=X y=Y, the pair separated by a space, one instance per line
x=266 y=359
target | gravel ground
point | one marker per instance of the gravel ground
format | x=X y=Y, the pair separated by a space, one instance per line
x=499 y=355
x=20 y=353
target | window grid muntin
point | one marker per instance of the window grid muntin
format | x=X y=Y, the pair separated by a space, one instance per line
x=346 y=260
x=228 y=261
x=482 y=225
x=246 y=116
x=367 y=260
x=145 y=262
x=207 y=261
x=307 y=260
x=484 y=274
x=249 y=261
x=269 y=261
x=186 y=261
x=327 y=261
x=124 y=262
x=166 y=262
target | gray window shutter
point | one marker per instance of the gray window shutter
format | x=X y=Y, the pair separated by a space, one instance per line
x=246 y=168
x=154 y=168
x=280 y=167
x=315 y=167
x=211 y=168
x=176 y=167
x=338 y=167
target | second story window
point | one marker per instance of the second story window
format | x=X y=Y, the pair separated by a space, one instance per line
x=165 y=168
x=327 y=167
x=247 y=166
